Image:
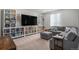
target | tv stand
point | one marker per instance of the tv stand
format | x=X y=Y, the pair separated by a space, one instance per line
x=16 y=32
x=28 y=30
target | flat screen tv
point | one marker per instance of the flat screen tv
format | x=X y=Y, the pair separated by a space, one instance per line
x=28 y=20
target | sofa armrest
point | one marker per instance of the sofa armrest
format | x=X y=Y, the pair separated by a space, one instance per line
x=68 y=45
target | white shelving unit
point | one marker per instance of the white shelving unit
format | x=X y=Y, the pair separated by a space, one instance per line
x=9 y=25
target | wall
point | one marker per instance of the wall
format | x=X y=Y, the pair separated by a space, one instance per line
x=46 y=20
x=68 y=18
x=27 y=12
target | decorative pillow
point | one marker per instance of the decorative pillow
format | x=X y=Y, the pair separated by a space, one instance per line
x=61 y=28
x=73 y=30
x=67 y=29
x=67 y=33
x=71 y=36
x=53 y=28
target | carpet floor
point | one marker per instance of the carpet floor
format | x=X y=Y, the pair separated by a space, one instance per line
x=32 y=42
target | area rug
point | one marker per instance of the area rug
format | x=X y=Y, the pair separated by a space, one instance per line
x=31 y=42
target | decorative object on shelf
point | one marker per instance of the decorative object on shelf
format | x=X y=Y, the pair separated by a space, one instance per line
x=6 y=32
x=10 y=18
x=13 y=32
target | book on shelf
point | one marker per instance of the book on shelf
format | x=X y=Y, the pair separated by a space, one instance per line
x=7 y=25
x=6 y=30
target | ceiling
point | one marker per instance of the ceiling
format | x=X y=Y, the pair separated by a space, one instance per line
x=42 y=10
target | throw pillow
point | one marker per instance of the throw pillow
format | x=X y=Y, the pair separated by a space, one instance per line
x=71 y=36
x=67 y=29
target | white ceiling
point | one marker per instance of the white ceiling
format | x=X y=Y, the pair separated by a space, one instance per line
x=42 y=10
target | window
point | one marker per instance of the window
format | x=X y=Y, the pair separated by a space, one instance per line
x=55 y=19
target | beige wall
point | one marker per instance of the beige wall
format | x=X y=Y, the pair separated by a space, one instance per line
x=68 y=18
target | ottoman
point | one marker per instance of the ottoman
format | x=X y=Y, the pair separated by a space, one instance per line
x=46 y=35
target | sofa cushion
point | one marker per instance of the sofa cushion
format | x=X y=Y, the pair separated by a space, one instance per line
x=73 y=30
x=71 y=36
x=60 y=28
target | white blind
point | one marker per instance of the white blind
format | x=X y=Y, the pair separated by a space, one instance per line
x=55 y=19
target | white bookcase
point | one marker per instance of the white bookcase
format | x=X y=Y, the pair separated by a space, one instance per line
x=9 y=21
x=9 y=24
x=9 y=18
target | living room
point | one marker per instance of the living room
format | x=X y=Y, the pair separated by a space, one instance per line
x=37 y=34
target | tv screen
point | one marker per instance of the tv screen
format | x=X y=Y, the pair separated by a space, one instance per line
x=28 y=20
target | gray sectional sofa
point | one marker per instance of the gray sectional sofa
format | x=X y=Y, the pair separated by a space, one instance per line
x=72 y=42
x=70 y=34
